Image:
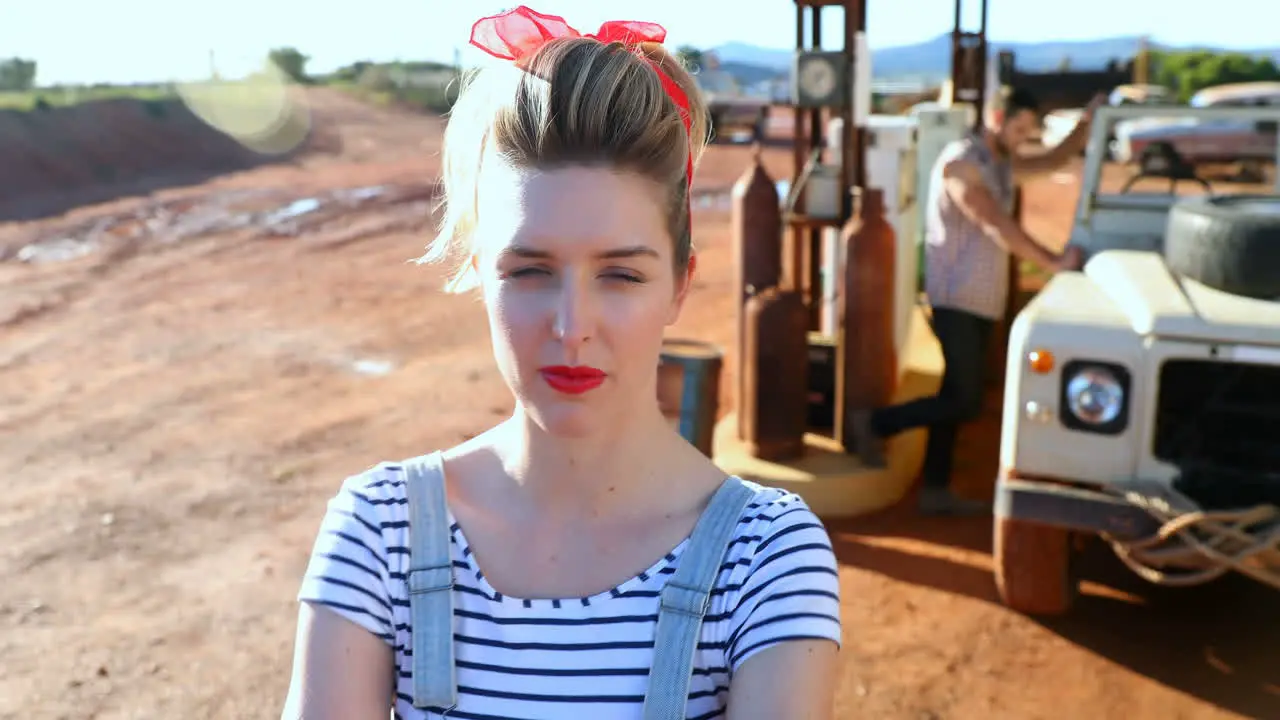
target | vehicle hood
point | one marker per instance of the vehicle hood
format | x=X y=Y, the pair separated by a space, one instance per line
x=1158 y=302
x=1142 y=126
x=1178 y=127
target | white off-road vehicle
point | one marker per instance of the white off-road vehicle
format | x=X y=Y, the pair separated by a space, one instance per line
x=1142 y=400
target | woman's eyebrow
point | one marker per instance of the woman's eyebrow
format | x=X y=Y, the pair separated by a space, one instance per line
x=629 y=251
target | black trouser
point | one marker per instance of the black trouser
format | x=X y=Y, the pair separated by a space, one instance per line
x=964 y=338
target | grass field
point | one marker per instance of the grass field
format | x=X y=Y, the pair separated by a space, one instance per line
x=61 y=96
x=433 y=93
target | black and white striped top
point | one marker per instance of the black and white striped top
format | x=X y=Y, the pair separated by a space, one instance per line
x=543 y=659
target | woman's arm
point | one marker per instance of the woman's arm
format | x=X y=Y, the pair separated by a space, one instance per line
x=340 y=670
x=794 y=680
x=344 y=662
x=784 y=636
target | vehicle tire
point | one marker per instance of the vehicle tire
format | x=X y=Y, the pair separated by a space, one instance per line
x=1034 y=567
x=1230 y=243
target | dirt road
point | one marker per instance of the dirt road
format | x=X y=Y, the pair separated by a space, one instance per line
x=180 y=398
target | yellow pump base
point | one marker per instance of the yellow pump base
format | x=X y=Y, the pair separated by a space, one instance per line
x=836 y=484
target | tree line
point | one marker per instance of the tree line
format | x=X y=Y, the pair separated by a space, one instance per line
x=1183 y=71
x=1186 y=72
x=17 y=74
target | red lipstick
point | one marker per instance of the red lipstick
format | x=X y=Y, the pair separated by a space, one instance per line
x=572 y=380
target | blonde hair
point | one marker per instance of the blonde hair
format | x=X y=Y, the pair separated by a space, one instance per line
x=576 y=101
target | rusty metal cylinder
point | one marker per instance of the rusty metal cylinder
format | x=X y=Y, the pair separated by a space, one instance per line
x=689 y=389
x=774 y=406
x=756 y=225
x=868 y=358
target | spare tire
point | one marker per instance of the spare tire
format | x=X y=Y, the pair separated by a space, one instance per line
x=1230 y=243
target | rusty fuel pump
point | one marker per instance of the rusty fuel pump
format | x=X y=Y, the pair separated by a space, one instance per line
x=773 y=323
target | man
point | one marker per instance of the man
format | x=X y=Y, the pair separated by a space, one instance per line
x=969 y=234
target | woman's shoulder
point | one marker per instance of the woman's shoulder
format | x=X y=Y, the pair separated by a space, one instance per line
x=380 y=490
x=775 y=507
x=784 y=578
x=778 y=521
x=379 y=483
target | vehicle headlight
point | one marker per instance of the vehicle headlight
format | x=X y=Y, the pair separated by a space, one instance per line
x=1095 y=397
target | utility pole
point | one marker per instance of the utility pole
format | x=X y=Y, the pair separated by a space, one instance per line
x=1142 y=63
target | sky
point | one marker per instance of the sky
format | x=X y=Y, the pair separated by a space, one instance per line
x=86 y=41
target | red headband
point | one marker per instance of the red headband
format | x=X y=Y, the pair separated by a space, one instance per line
x=516 y=34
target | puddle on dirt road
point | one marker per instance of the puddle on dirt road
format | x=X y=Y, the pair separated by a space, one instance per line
x=297 y=208
x=58 y=250
x=267 y=213
x=374 y=368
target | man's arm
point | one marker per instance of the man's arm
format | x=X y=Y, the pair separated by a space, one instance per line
x=1026 y=167
x=963 y=182
x=1029 y=166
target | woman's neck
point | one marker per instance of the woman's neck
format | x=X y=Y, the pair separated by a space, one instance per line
x=600 y=475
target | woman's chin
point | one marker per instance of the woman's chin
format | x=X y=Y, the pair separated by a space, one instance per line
x=570 y=421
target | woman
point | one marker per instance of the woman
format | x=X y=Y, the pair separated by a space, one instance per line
x=567 y=175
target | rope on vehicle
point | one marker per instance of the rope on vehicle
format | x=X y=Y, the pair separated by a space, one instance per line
x=1246 y=541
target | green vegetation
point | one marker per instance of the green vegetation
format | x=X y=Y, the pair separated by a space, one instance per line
x=422 y=85
x=427 y=86
x=291 y=62
x=1187 y=72
x=59 y=96
x=17 y=74
x=691 y=57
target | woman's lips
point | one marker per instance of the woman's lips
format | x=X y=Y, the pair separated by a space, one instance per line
x=574 y=380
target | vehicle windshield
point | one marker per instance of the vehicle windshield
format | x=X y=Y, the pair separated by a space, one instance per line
x=1162 y=151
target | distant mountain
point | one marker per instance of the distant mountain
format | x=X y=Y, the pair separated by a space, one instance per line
x=932 y=58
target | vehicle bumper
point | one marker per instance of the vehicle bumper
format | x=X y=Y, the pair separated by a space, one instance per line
x=1072 y=508
x=1082 y=510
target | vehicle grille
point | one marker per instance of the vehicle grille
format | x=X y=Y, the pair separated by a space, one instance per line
x=1219 y=422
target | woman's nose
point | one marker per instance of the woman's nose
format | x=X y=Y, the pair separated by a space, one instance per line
x=574 y=318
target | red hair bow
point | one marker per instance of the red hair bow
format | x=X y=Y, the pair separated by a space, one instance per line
x=516 y=34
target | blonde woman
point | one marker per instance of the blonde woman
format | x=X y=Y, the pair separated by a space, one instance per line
x=580 y=559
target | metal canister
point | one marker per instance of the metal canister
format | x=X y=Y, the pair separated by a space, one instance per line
x=689 y=388
x=775 y=404
x=756 y=232
x=867 y=358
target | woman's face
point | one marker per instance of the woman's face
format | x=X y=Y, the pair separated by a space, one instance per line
x=575 y=265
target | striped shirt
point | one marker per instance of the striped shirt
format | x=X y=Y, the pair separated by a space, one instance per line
x=965 y=269
x=587 y=657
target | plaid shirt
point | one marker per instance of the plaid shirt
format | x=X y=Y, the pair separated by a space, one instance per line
x=964 y=269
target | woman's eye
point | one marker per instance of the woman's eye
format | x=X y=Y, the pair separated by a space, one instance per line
x=624 y=276
x=541 y=272
x=527 y=272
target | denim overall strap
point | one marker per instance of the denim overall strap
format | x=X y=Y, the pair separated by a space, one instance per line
x=430 y=581
x=685 y=600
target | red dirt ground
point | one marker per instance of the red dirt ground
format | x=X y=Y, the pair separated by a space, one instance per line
x=177 y=405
